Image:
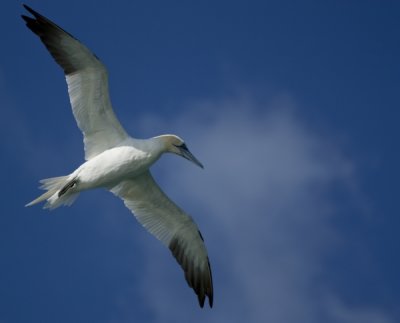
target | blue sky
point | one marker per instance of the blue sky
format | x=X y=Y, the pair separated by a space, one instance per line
x=292 y=106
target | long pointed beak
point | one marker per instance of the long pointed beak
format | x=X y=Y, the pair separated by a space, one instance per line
x=189 y=156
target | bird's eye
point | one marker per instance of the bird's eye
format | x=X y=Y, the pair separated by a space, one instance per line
x=182 y=146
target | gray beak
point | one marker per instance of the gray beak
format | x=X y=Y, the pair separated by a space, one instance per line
x=189 y=156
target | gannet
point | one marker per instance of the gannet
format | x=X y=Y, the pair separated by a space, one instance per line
x=118 y=162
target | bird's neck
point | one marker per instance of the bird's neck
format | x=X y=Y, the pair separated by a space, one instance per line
x=154 y=146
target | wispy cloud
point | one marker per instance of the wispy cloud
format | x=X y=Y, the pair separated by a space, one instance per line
x=264 y=203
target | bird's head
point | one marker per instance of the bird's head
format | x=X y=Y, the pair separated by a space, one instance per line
x=174 y=144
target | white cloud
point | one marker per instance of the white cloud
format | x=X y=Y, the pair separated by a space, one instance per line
x=263 y=204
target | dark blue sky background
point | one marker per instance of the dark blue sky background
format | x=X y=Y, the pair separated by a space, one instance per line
x=292 y=106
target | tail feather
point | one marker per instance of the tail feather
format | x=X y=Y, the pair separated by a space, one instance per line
x=42 y=197
x=53 y=182
x=53 y=186
x=55 y=201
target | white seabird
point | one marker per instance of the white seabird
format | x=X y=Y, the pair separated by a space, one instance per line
x=118 y=162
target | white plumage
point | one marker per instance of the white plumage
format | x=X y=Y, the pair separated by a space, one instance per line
x=118 y=162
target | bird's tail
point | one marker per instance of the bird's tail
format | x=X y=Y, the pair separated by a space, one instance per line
x=58 y=192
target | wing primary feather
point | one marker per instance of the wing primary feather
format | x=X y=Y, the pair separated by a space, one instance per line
x=199 y=279
x=51 y=35
x=39 y=17
x=87 y=81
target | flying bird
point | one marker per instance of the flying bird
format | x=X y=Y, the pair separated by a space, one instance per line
x=118 y=162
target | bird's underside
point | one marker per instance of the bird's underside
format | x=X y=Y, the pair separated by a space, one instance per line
x=87 y=83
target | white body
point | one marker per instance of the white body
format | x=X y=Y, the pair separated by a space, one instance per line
x=114 y=165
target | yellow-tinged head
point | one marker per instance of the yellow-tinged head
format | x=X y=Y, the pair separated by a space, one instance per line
x=174 y=144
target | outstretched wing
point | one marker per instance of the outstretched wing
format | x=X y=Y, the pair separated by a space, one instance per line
x=170 y=224
x=87 y=85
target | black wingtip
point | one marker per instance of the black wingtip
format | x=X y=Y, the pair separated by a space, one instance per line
x=201 y=301
x=199 y=279
x=33 y=12
x=210 y=291
x=37 y=15
x=26 y=18
x=30 y=10
x=32 y=22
